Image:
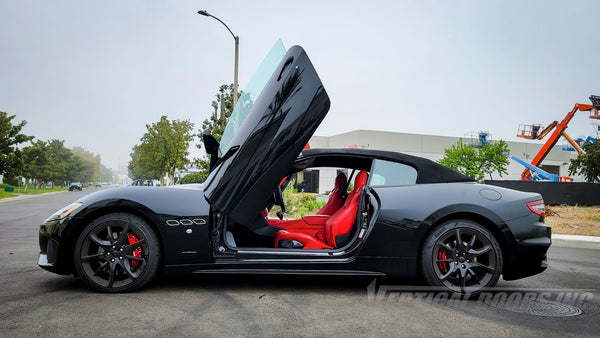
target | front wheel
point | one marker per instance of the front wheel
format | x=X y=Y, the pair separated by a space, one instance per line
x=462 y=256
x=117 y=253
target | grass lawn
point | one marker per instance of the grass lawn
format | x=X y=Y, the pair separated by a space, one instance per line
x=6 y=194
x=30 y=190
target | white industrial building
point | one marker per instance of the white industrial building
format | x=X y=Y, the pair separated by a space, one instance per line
x=432 y=147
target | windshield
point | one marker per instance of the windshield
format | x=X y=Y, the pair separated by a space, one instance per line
x=250 y=93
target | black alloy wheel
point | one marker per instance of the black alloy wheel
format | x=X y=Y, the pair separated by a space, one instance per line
x=117 y=252
x=462 y=256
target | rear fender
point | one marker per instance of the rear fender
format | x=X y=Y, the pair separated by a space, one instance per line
x=479 y=214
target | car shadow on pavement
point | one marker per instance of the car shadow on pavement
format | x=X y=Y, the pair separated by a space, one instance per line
x=273 y=282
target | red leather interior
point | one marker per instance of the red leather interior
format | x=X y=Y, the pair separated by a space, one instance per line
x=308 y=224
x=334 y=202
x=340 y=223
x=281 y=222
x=310 y=242
x=304 y=221
x=315 y=219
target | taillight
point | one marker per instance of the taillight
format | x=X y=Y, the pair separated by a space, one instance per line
x=537 y=207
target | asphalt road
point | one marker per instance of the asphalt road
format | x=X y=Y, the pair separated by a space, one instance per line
x=34 y=302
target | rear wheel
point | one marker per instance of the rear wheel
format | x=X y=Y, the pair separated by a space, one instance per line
x=462 y=256
x=116 y=253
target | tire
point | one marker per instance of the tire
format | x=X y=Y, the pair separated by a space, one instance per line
x=124 y=261
x=461 y=256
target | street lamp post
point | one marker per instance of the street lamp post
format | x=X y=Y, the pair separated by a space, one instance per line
x=237 y=44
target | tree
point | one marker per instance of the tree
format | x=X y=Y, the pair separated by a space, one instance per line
x=164 y=148
x=222 y=109
x=215 y=124
x=60 y=158
x=52 y=162
x=90 y=169
x=588 y=163
x=198 y=177
x=106 y=174
x=138 y=172
x=76 y=169
x=38 y=165
x=11 y=163
x=474 y=163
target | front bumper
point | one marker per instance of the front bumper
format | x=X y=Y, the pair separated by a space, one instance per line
x=48 y=258
x=51 y=249
x=44 y=263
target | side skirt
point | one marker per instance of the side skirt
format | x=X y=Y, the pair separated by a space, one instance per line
x=291 y=272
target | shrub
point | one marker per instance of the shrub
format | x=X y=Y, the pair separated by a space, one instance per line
x=297 y=204
x=303 y=211
x=321 y=204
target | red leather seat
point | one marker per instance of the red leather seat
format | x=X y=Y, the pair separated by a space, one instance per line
x=307 y=224
x=338 y=227
x=335 y=197
x=313 y=224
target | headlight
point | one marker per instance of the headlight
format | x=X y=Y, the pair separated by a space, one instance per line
x=63 y=212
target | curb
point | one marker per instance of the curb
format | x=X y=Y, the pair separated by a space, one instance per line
x=592 y=239
x=574 y=241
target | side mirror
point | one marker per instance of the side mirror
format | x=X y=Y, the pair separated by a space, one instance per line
x=212 y=148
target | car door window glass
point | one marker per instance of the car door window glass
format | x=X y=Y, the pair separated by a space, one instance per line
x=392 y=173
x=251 y=93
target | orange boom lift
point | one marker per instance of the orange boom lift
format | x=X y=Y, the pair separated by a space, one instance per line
x=535 y=132
x=594 y=114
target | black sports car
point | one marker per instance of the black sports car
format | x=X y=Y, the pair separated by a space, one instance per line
x=404 y=217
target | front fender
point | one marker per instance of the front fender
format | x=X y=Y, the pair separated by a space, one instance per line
x=179 y=216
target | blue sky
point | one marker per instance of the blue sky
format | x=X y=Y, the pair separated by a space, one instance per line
x=93 y=73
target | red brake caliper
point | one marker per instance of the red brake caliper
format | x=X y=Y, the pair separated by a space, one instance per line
x=137 y=252
x=443 y=265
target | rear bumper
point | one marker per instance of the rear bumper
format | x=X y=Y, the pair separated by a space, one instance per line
x=528 y=260
x=527 y=254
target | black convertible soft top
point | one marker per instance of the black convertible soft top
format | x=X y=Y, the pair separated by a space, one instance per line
x=427 y=171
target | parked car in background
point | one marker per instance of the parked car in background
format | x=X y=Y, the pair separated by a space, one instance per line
x=142 y=183
x=75 y=186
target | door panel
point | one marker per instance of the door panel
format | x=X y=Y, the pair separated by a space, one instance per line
x=282 y=120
